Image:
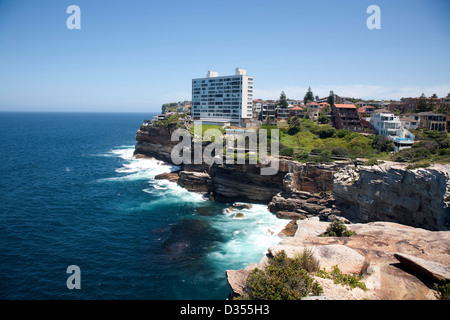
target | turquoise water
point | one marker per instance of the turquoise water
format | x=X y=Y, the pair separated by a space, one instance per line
x=72 y=194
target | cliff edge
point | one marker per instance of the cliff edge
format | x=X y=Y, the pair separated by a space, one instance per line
x=390 y=192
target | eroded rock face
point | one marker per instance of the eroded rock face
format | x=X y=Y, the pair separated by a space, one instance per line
x=244 y=183
x=194 y=181
x=155 y=141
x=311 y=177
x=390 y=192
x=301 y=204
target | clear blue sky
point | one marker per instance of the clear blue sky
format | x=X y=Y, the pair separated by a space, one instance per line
x=134 y=55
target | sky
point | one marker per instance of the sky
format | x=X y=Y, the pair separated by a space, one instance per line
x=134 y=55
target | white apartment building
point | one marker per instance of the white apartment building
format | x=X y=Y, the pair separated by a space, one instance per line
x=389 y=125
x=223 y=100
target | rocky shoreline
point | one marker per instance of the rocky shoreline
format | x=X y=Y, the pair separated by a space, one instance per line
x=397 y=213
x=398 y=262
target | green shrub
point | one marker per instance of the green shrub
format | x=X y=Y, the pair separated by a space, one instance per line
x=348 y=135
x=371 y=162
x=415 y=153
x=382 y=144
x=323 y=118
x=293 y=130
x=347 y=279
x=283 y=279
x=337 y=229
x=442 y=290
x=339 y=152
x=303 y=156
x=421 y=164
x=287 y=151
x=326 y=131
x=323 y=157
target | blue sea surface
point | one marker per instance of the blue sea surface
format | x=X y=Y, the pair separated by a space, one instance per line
x=71 y=193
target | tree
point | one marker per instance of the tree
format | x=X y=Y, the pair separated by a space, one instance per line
x=283 y=101
x=382 y=144
x=422 y=105
x=326 y=131
x=309 y=96
x=323 y=118
x=331 y=98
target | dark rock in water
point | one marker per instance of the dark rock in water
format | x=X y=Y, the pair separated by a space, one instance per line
x=239 y=215
x=240 y=205
x=171 y=176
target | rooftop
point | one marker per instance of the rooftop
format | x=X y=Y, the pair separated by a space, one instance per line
x=430 y=114
x=344 y=106
x=383 y=111
x=411 y=119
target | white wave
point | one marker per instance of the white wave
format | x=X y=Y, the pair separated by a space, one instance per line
x=137 y=169
x=124 y=153
x=170 y=193
x=249 y=238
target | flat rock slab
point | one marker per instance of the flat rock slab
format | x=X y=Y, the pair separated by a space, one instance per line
x=347 y=259
x=431 y=269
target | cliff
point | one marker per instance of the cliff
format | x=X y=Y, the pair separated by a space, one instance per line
x=235 y=182
x=387 y=192
x=390 y=192
x=154 y=141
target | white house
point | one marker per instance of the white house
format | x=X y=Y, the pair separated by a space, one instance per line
x=409 y=123
x=389 y=125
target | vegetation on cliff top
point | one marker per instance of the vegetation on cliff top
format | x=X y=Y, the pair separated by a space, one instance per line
x=307 y=141
x=284 y=278
x=287 y=278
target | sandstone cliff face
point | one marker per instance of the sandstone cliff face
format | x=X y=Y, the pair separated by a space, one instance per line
x=311 y=177
x=389 y=192
x=245 y=183
x=194 y=181
x=154 y=141
x=236 y=182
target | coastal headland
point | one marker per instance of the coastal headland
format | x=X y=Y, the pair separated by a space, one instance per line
x=400 y=215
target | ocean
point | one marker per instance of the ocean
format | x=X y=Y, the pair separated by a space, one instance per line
x=71 y=193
